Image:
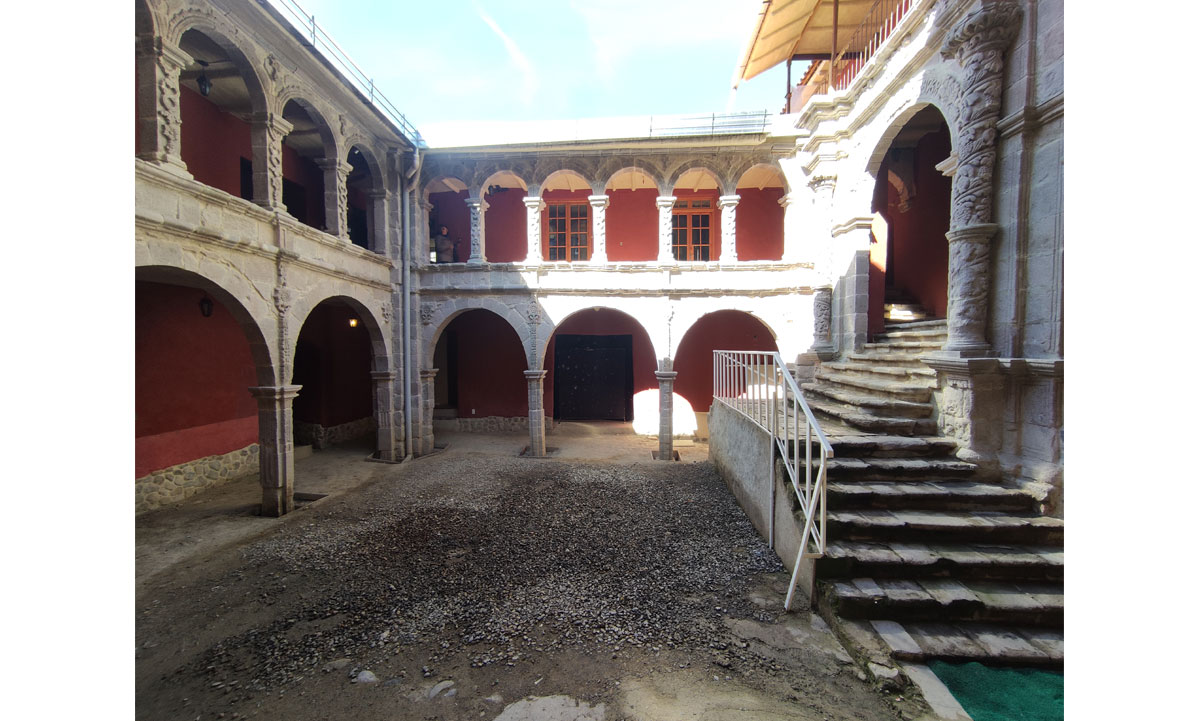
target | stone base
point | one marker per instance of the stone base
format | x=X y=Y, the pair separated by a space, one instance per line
x=319 y=436
x=495 y=424
x=174 y=484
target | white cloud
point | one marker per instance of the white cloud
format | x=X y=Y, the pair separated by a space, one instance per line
x=529 y=76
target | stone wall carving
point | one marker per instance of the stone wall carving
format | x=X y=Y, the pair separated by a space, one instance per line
x=168 y=112
x=428 y=312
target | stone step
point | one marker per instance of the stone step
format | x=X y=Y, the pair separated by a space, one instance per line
x=912 y=331
x=904 y=346
x=916 y=390
x=871 y=404
x=946 y=600
x=870 y=469
x=938 y=323
x=884 y=372
x=896 y=559
x=944 y=527
x=883 y=446
x=876 y=424
x=928 y=495
x=967 y=641
x=889 y=359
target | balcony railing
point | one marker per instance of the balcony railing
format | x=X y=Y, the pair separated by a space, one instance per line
x=865 y=41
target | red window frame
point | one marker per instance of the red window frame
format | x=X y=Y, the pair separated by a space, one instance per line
x=568 y=231
x=692 y=229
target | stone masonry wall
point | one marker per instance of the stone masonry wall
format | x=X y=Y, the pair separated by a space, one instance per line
x=174 y=484
x=319 y=436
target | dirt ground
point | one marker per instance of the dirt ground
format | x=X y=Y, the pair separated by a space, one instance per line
x=474 y=584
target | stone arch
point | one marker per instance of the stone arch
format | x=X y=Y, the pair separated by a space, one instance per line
x=703 y=165
x=719 y=329
x=500 y=175
x=896 y=124
x=548 y=328
x=369 y=310
x=435 y=317
x=741 y=171
x=300 y=96
x=206 y=24
x=566 y=172
x=369 y=154
x=145 y=21
x=616 y=167
x=687 y=320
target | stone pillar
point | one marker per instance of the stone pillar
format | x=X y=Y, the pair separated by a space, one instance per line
x=791 y=238
x=478 y=207
x=978 y=43
x=533 y=229
x=599 y=242
x=385 y=427
x=537 y=415
x=159 y=120
x=665 y=203
x=823 y=323
x=335 y=173
x=267 y=131
x=425 y=437
x=422 y=234
x=970 y=401
x=377 y=239
x=728 y=206
x=822 y=227
x=276 y=457
x=666 y=418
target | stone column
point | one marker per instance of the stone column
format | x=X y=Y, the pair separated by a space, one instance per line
x=970 y=401
x=478 y=207
x=599 y=242
x=267 y=131
x=666 y=418
x=385 y=428
x=821 y=227
x=276 y=457
x=823 y=323
x=335 y=173
x=425 y=438
x=159 y=120
x=791 y=239
x=728 y=206
x=535 y=381
x=421 y=236
x=978 y=43
x=377 y=238
x=533 y=229
x=665 y=203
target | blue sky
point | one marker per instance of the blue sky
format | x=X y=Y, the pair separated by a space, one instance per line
x=515 y=60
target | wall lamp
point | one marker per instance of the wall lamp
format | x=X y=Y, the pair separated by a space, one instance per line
x=354 y=322
x=206 y=306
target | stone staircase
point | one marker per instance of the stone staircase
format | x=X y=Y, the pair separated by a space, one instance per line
x=925 y=559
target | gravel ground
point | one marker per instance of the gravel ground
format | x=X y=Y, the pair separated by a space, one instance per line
x=457 y=585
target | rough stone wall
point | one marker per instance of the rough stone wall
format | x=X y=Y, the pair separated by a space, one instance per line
x=174 y=484
x=319 y=436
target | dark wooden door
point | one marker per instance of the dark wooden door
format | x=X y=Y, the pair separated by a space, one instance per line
x=593 y=377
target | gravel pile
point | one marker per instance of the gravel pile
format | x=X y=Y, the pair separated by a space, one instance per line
x=537 y=556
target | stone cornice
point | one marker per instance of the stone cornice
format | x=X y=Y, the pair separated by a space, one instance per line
x=859 y=223
x=149 y=172
x=650 y=266
x=1029 y=119
x=963 y=367
x=672 y=293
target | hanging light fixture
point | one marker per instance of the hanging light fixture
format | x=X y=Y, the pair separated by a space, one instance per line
x=206 y=306
x=202 y=81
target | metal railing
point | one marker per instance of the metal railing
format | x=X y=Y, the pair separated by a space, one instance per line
x=324 y=43
x=867 y=38
x=759 y=385
x=671 y=126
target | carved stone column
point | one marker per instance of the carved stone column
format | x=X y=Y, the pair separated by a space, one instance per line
x=385 y=428
x=665 y=203
x=728 y=206
x=423 y=249
x=533 y=229
x=535 y=380
x=377 y=237
x=823 y=323
x=425 y=438
x=478 y=207
x=791 y=239
x=666 y=417
x=822 y=187
x=978 y=42
x=599 y=242
x=159 y=120
x=267 y=131
x=276 y=457
x=336 y=172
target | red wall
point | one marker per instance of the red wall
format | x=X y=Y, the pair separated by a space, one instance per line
x=333 y=364
x=920 y=249
x=491 y=363
x=192 y=379
x=299 y=169
x=722 y=330
x=605 y=322
x=450 y=209
x=505 y=227
x=212 y=142
x=760 y=224
x=631 y=225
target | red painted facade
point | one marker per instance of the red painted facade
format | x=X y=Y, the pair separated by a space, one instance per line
x=759 y=224
x=505 y=226
x=722 y=330
x=631 y=225
x=450 y=210
x=192 y=379
x=603 y=321
x=490 y=362
x=333 y=366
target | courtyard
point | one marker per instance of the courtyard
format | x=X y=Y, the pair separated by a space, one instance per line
x=477 y=584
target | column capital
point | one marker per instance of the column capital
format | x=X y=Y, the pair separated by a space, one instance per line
x=383 y=375
x=727 y=201
x=534 y=202
x=598 y=201
x=274 y=122
x=271 y=393
x=475 y=203
x=787 y=200
x=428 y=374
x=341 y=166
x=535 y=375
x=665 y=201
x=979 y=233
x=823 y=182
x=665 y=375
x=426 y=206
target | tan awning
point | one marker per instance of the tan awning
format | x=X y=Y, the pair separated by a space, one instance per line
x=798 y=27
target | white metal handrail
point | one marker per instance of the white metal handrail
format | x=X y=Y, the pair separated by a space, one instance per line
x=758 y=385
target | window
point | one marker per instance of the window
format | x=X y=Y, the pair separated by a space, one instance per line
x=568 y=231
x=691 y=229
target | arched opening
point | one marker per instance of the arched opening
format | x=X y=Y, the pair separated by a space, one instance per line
x=303 y=180
x=720 y=330
x=759 y=213
x=909 y=252
x=333 y=362
x=696 y=219
x=447 y=197
x=215 y=107
x=197 y=353
x=596 y=360
x=361 y=186
x=480 y=361
x=631 y=219
x=567 y=217
x=505 y=229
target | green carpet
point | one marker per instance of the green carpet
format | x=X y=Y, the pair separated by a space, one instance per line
x=993 y=693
